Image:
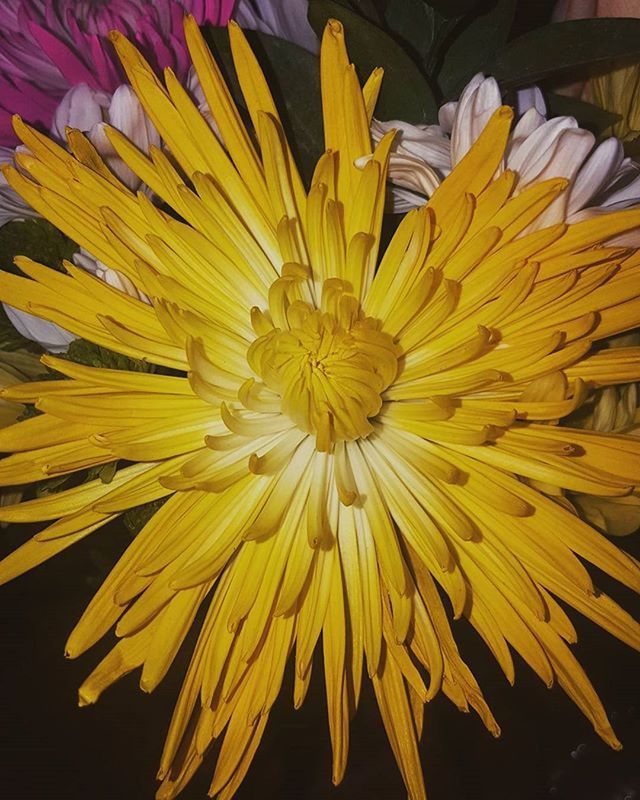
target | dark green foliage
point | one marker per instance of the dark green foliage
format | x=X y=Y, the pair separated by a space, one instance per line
x=474 y=41
x=591 y=117
x=563 y=47
x=136 y=518
x=37 y=239
x=293 y=75
x=92 y=355
x=406 y=92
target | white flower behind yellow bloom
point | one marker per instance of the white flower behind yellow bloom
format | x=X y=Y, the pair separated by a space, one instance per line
x=90 y=111
x=601 y=178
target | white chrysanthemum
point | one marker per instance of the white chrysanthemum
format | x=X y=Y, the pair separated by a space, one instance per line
x=90 y=111
x=601 y=177
x=110 y=276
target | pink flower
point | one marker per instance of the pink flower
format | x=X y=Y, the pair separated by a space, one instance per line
x=49 y=46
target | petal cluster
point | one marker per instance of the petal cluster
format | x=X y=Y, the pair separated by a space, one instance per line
x=538 y=148
x=46 y=48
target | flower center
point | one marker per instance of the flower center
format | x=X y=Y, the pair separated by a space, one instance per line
x=329 y=368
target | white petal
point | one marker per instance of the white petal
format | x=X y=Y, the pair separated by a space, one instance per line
x=197 y=95
x=50 y=336
x=571 y=150
x=403 y=200
x=127 y=115
x=624 y=188
x=477 y=104
x=99 y=140
x=528 y=98
x=596 y=172
x=526 y=125
x=413 y=173
x=80 y=108
x=532 y=155
x=86 y=261
x=426 y=142
x=447 y=115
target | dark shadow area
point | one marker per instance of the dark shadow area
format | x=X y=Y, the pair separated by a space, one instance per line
x=52 y=750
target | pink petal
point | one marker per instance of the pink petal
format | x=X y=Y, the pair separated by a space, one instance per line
x=65 y=59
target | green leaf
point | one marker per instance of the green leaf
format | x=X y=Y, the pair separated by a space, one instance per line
x=294 y=80
x=106 y=472
x=414 y=22
x=28 y=412
x=92 y=355
x=36 y=239
x=54 y=485
x=467 y=54
x=367 y=8
x=406 y=93
x=41 y=241
x=593 y=118
x=423 y=29
x=453 y=8
x=564 y=46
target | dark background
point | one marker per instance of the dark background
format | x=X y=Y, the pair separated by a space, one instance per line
x=52 y=750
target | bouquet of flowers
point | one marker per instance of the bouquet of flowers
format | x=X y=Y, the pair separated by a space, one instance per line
x=333 y=305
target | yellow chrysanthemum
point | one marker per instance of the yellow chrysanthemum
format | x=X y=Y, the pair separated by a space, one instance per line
x=349 y=441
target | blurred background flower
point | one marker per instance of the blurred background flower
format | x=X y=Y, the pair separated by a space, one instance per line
x=616 y=89
x=583 y=9
x=602 y=179
x=58 y=69
x=91 y=110
x=48 y=47
x=47 y=334
x=612 y=409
